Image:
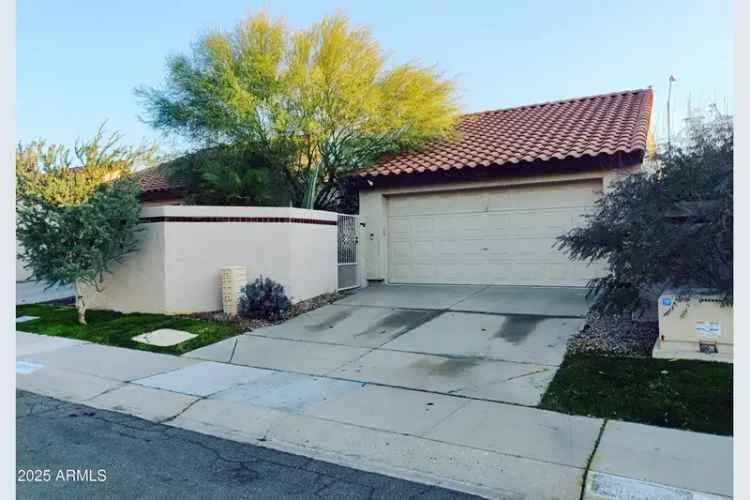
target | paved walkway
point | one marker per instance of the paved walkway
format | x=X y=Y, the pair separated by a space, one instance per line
x=137 y=455
x=488 y=448
x=32 y=292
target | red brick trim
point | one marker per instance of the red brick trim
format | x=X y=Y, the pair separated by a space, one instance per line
x=282 y=220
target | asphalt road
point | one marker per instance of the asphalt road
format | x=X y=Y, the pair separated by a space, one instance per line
x=96 y=454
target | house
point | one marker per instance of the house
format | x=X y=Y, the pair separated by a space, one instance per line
x=157 y=189
x=486 y=206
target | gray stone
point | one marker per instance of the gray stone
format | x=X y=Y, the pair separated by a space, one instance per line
x=24 y=319
x=31 y=343
x=204 y=378
x=520 y=383
x=144 y=402
x=532 y=300
x=302 y=357
x=220 y=351
x=109 y=362
x=389 y=408
x=526 y=339
x=526 y=432
x=288 y=391
x=164 y=337
x=348 y=325
x=682 y=459
x=411 y=296
x=63 y=384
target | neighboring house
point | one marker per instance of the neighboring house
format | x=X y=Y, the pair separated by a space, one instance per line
x=486 y=206
x=157 y=190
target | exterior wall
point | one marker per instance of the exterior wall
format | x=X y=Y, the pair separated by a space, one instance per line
x=373 y=206
x=182 y=275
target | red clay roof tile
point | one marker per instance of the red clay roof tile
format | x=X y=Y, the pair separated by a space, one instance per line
x=573 y=128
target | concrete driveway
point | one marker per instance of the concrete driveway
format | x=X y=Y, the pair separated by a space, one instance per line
x=491 y=343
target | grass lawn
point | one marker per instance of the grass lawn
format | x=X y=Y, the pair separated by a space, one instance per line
x=113 y=328
x=689 y=395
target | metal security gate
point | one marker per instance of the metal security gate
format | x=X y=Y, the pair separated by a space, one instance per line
x=348 y=226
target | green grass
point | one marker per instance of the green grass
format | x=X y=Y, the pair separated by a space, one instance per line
x=113 y=328
x=691 y=395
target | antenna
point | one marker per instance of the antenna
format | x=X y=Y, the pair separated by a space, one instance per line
x=669 y=124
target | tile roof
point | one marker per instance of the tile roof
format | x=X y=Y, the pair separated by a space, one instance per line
x=573 y=128
x=154 y=179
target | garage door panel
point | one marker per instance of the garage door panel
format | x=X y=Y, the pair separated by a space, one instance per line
x=494 y=236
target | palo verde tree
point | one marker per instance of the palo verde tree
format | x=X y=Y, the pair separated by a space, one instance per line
x=315 y=104
x=75 y=223
x=671 y=228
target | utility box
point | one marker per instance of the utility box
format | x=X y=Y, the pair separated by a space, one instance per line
x=232 y=281
x=697 y=327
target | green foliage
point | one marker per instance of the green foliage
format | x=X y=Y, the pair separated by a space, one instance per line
x=78 y=244
x=688 y=395
x=264 y=298
x=228 y=175
x=117 y=329
x=54 y=173
x=316 y=104
x=671 y=228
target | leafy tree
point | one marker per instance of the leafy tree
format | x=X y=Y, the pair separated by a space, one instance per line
x=671 y=228
x=227 y=175
x=77 y=243
x=74 y=217
x=314 y=104
x=52 y=173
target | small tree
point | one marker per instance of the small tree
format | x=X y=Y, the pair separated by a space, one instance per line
x=668 y=228
x=64 y=177
x=78 y=244
x=315 y=104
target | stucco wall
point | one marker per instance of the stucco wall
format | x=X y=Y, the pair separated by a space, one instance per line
x=373 y=208
x=178 y=268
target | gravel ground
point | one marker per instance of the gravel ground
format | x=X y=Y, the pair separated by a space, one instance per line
x=614 y=335
x=296 y=309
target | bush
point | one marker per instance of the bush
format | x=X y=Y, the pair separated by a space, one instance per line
x=671 y=228
x=264 y=298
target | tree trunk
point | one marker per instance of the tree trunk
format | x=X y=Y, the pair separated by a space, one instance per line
x=80 y=304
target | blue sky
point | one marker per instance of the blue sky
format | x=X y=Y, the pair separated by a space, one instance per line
x=78 y=62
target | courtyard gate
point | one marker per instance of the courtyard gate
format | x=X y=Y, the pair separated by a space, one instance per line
x=348 y=246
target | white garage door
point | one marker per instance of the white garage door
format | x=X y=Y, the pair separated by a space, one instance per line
x=489 y=236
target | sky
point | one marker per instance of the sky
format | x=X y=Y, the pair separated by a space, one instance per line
x=78 y=63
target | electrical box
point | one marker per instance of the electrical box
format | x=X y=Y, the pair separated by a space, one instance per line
x=232 y=281
x=696 y=327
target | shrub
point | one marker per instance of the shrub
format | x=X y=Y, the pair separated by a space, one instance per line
x=264 y=298
x=672 y=228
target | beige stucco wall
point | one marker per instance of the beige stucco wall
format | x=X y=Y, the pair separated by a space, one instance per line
x=373 y=207
x=178 y=267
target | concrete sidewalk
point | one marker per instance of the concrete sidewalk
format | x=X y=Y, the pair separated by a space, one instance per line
x=487 y=448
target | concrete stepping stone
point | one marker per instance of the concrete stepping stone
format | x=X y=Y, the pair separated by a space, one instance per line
x=23 y=319
x=164 y=337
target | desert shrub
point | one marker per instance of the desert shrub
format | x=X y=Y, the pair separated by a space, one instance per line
x=264 y=298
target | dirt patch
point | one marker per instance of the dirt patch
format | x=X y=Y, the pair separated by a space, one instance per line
x=614 y=335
